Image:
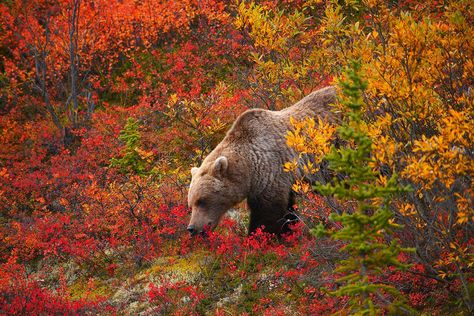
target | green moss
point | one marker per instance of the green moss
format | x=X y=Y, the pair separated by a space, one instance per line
x=155 y=268
x=94 y=289
x=182 y=268
x=184 y=265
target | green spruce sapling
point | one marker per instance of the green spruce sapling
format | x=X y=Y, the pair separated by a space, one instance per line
x=366 y=227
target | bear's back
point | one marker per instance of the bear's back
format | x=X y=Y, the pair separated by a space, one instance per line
x=316 y=104
x=257 y=124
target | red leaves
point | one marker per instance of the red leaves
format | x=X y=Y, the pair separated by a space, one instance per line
x=420 y=290
x=177 y=298
x=20 y=295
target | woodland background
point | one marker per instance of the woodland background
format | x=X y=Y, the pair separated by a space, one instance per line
x=106 y=104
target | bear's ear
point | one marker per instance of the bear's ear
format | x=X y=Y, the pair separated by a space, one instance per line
x=220 y=166
x=193 y=171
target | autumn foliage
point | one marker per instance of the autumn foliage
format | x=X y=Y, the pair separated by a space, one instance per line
x=105 y=106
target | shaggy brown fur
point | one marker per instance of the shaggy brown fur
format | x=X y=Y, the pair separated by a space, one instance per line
x=248 y=164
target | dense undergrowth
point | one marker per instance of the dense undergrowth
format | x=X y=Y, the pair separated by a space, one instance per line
x=105 y=106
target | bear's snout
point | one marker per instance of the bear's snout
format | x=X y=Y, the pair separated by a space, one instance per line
x=192 y=230
x=195 y=230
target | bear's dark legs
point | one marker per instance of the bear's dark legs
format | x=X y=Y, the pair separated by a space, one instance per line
x=291 y=201
x=266 y=213
x=290 y=216
x=274 y=214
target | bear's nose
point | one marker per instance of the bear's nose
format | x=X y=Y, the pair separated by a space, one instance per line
x=191 y=230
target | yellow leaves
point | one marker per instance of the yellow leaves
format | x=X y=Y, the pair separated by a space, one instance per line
x=282 y=50
x=296 y=141
x=309 y=168
x=385 y=148
x=464 y=217
x=173 y=99
x=453 y=246
x=465 y=209
x=382 y=181
x=442 y=274
x=443 y=157
x=407 y=209
x=307 y=137
x=309 y=3
x=374 y=34
x=290 y=166
x=270 y=30
x=301 y=186
x=333 y=20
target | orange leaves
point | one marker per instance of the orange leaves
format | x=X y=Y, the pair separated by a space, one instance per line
x=4 y=172
x=144 y=154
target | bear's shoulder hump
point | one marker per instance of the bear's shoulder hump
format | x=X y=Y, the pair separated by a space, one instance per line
x=250 y=123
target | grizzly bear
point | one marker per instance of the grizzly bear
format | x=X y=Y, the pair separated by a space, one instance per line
x=248 y=164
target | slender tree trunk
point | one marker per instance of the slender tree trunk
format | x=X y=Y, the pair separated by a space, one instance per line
x=73 y=24
x=90 y=104
x=51 y=111
x=41 y=74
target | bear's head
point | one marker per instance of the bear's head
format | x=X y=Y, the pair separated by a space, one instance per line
x=212 y=192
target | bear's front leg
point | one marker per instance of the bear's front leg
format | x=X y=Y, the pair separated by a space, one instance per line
x=272 y=213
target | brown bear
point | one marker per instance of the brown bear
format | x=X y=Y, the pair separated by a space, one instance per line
x=248 y=164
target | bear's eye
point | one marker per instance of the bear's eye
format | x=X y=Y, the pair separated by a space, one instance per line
x=201 y=203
